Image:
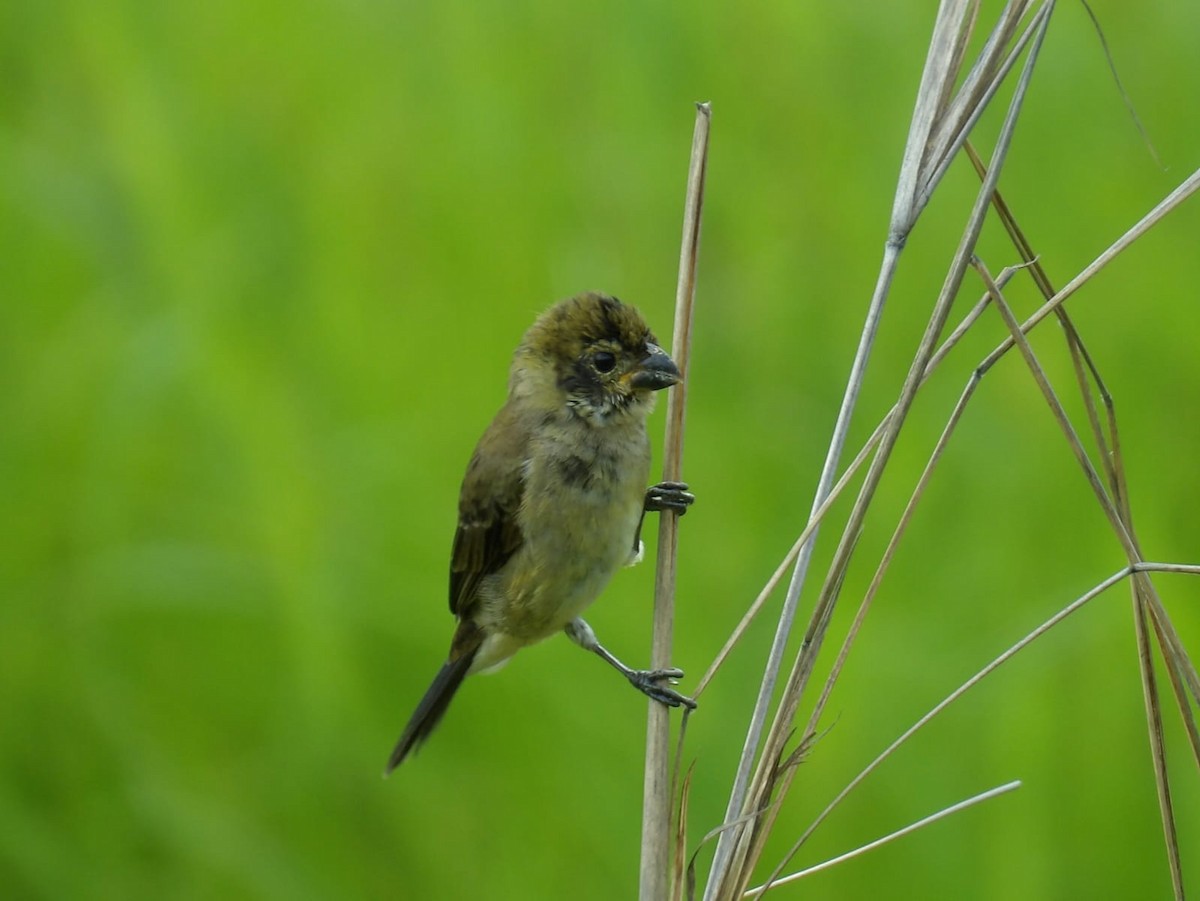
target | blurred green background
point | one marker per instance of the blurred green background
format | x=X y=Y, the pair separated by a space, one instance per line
x=262 y=266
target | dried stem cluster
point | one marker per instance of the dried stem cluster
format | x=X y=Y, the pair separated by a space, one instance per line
x=950 y=100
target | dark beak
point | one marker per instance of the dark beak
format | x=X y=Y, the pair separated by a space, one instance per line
x=655 y=372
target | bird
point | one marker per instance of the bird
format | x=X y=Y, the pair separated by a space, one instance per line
x=553 y=499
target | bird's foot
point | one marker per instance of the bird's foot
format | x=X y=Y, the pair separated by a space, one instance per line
x=669 y=496
x=647 y=682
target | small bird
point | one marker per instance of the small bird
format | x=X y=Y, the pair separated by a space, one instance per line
x=553 y=499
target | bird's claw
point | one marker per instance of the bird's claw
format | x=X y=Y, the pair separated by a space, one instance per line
x=647 y=682
x=669 y=496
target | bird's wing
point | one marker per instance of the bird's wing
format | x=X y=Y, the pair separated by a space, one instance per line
x=488 y=532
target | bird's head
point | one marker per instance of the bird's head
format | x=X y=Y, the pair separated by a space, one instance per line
x=593 y=356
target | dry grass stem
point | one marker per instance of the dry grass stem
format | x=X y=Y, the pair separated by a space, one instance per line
x=1145 y=596
x=1112 y=67
x=918 y=177
x=861 y=457
x=655 y=867
x=1158 y=754
x=1179 y=666
x=767 y=778
x=1111 y=457
x=986 y=671
x=1186 y=189
x=758 y=891
x=910 y=507
x=684 y=878
x=943 y=118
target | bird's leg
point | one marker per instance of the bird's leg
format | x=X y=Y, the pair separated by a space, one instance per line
x=672 y=496
x=644 y=680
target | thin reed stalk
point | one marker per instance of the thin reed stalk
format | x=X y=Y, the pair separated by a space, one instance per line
x=655 y=869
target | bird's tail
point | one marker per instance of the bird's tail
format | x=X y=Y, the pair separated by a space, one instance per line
x=433 y=706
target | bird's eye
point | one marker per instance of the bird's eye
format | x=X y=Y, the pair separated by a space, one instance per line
x=604 y=361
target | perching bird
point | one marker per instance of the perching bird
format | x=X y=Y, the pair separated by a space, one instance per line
x=553 y=499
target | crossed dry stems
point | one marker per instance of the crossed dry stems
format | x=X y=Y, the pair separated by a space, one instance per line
x=949 y=103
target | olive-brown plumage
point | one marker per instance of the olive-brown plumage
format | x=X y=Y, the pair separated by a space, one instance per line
x=553 y=497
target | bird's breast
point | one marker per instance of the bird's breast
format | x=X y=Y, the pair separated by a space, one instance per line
x=584 y=494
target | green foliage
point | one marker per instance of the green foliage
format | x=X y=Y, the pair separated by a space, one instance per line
x=261 y=269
